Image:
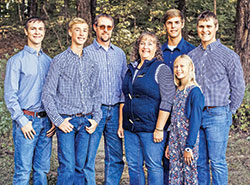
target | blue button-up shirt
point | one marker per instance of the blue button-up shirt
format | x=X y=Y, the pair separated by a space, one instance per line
x=24 y=79
x=219 y=73
x=113 y=66
x=71 y=87
x=182 y=48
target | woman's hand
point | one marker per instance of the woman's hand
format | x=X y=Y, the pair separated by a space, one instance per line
x=188 y=157
x=158 y=135
x=167 y=153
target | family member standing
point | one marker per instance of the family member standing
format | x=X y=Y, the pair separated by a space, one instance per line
x=113 y=66
x=175 y=45
x=182 y=149
x=32 y=130
x=149 y=89
x=220 y=76
x=71 y=97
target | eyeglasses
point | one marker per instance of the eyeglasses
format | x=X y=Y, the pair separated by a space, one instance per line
x=103 y=27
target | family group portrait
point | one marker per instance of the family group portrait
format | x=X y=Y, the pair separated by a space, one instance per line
x=125 y=92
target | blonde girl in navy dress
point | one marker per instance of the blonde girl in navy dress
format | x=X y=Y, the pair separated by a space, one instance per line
x=182 y=149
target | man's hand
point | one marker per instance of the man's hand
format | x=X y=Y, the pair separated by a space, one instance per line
x=66 y=126
x=167 y=153
x=92 y=127
x=51 y=131
x=158 y=136
x=120 y=132
x=188 y=157
x=28 y=131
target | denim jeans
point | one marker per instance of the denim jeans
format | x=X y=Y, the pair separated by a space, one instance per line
x=113 y=148
x=72 y=152
x=32 y=154
x=214 y=132
x=140 y=148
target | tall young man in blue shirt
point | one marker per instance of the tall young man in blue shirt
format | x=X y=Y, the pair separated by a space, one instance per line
x=71 y=97
x=174 y=46
x=113 y=66
x=32 y=130
x=219 y=73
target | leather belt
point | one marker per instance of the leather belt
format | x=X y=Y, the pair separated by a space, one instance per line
x=111 y=105
x=208 y=107
x=35 y=114
x=78 y=114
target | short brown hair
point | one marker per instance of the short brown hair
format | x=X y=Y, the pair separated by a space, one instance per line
x=207 y=15
x=173 y=13
x=33 y=19
x=103 y=15
x=76 y=20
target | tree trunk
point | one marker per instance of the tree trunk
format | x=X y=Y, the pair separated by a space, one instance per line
x=84 y=11
x=32 y=8
x=242 y=37
x=215 y=7
x=182 y=8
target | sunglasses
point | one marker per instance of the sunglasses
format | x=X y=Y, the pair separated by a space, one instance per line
x=103 y=27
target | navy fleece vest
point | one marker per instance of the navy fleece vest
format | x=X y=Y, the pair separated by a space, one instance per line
x=142 y=98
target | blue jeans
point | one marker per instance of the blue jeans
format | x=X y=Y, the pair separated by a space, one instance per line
x=113 y=148
x=72 y=152
x=32 y=154
x=140 y=148
x=214 y=132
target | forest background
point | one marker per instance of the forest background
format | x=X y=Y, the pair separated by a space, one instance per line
x=131 y=18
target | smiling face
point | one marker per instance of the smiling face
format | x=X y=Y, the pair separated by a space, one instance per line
x=79 y=34
x=35 y=32
x=182 y=69
x=147 y=47
x=174 y=26
x=103 y=29
x=207 y=31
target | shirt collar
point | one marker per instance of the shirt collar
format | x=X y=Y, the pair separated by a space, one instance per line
x=98 y=46
x=71 y=52
x=212 y=46
x=32 y=50
x=179 y=46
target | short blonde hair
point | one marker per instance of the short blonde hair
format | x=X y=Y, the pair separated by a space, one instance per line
x=76 y=20
x=177 y=82
x=173 y=13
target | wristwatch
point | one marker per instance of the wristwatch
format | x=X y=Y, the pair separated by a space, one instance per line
x=188 y=149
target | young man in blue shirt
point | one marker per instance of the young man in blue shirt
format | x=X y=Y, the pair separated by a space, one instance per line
x=174 y=46
x=71 y=97
x=113 y=66
x=220 y=76
x=32 y=130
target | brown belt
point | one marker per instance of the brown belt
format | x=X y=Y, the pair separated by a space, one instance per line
x=35 y=114
x=208 y=107
x=78 y=114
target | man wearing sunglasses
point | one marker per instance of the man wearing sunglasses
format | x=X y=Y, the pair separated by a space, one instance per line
x=113 y=65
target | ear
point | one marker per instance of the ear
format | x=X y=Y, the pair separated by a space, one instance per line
x=25 y=31
x=94 y=27
x=183 y=24
x=217 y=26
x=70 y=33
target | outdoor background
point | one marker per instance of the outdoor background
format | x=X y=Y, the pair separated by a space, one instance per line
x=131 y=18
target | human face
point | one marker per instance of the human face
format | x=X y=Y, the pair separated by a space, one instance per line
x=174 y=26
x=207 y=31
x=79 y=34
x=182 y=69
x=103 y=30
x=147 y=48
x=35 y=33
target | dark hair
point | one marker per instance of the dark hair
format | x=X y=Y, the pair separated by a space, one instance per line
x=33 y=19
x=173 y=13
x=135 y=52
x=207 y=15
x=103 y=15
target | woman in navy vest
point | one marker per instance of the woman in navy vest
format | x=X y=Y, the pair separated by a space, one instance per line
x=149 y=89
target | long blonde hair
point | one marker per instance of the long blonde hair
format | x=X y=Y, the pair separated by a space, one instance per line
x=177 y=82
